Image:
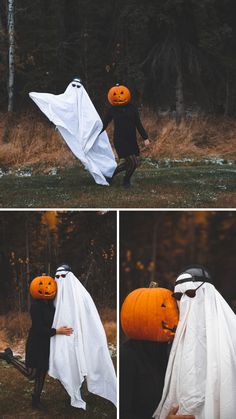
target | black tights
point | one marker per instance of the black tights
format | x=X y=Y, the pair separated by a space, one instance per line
x=39 y=383
x=36 y=374
x=129 y=166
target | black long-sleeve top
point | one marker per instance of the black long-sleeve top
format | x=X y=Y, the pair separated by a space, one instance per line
x=142 y=371
x=38 y=342
x=126 y=121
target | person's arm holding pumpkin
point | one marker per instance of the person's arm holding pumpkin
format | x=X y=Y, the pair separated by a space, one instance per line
x=141 y=129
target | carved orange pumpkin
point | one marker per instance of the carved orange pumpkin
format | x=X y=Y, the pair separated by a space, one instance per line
x=150 y=314
x=43 y=287
x=119 y=95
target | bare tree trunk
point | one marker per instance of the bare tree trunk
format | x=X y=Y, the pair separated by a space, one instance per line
x=4 y=48
x=1 y=25
x=48 y=263
x=89 y=272
x=179 y=91
x=85 y=41
x=27 y=261
x=60 y=12
x=154 y=250
x=191 y=234
x=227 y=97
x=179 y=87
x=11 y=54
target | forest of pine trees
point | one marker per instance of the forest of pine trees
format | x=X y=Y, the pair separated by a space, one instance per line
x=175 y=55
x=31 y=243
x=158 y=245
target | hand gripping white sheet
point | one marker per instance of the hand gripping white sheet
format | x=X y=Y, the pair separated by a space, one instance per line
x=84 y=354
x=201 y=372
x=78 y=122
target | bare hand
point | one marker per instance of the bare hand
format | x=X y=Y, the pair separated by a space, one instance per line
x=147 y=143
x=64 y=330
x=172 y=414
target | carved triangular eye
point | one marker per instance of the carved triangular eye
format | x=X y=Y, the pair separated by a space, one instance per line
x=41 y=283
x=163 y=305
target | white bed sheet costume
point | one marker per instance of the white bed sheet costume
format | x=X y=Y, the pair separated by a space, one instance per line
x=78 y=122
x=83 y=354
x=201 y=372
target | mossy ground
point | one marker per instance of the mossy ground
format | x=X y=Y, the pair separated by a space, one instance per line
x=193 y=186
x=15 y=399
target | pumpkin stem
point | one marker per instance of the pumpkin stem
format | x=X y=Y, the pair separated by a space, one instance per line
x=153 y=284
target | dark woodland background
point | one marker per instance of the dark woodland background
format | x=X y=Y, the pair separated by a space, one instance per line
x=166 y=51
x=157 y=245
x=33 y=242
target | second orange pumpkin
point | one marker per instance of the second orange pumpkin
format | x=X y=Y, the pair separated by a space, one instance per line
x=150 y=314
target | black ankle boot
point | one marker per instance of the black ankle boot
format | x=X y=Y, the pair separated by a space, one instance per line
x=109 y=180
x=126 y=184
x=7 y=355
x=37 y=404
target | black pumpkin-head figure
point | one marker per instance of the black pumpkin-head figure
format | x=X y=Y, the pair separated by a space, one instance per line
x=43 y=288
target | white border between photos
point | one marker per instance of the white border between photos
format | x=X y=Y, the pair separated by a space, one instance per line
x=118 y=309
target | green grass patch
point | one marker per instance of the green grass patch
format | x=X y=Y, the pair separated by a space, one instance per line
x=212 y=186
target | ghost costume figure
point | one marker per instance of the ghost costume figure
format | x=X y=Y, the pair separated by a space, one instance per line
x=78 y=122
x=201 y=372
x=84 y=354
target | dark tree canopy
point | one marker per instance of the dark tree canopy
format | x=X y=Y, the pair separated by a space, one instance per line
x=174 y=54
x=158 y=245
x=32 y=243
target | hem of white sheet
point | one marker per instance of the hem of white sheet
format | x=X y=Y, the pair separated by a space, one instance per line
x=80 y=404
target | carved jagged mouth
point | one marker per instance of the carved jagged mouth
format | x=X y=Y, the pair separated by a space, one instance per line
x=166 y=327
x=46 y=293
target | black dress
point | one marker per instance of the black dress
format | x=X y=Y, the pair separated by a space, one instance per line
x=126 y=121
x=38 y=342
x=142 y=371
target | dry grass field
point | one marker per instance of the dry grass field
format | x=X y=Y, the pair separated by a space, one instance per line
x=190 y=165
x=29 y=140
